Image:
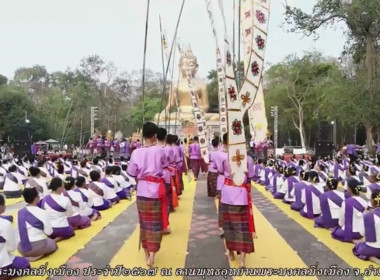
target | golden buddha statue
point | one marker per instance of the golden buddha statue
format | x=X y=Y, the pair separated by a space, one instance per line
x=181 y=90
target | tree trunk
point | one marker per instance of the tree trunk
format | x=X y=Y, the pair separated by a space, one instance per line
x=301 y=127
x=369 y=140
x=371 y=57
x=302 y=135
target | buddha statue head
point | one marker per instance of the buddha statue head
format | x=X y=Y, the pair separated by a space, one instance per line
x=188 y=62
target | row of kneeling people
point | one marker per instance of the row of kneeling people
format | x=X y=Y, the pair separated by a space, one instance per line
x=114 y=177
x=70 y=205
x=348 y=215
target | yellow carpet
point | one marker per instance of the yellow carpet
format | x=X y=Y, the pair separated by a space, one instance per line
x=70 y=247
x=271 y=251
x=12 y=201
x=342 y=249
x=173 y=250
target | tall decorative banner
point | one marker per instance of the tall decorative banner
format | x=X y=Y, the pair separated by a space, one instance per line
x=198 y=113
x=221 y=74
x=255 y=26
x=258 y=122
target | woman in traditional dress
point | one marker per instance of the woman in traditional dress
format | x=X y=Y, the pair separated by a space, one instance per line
x=179 y=155
x=38 y=182
x=76 y=220
x=373 y=186
x=277 y=179
x=268 y=173
x=297 y=205
x=12 y=184
x=370 y=249
x=123 y=191
x=83 y=170
x=61 y=171
x=351 y=214
x=350 y=174
x=146 y=165
x=115 y=192
x=87 y=199
x=59 y=209
x=97 y=193
x=286 y=191
x=195 y=157
x=8 y=244
x=338 y=169
x=310 y=196
x=236 y=211
x=34 y=228
x=330 y=204
x=212 y=176
x=217 y=164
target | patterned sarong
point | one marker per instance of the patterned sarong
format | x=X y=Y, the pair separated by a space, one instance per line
x=195 y=165
x=212 y=179
x=236 y=229
x=204 y=166
x=181 y=185
x=149 y=210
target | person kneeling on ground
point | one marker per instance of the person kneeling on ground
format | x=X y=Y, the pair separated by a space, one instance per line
x=59 y=209
x=370 y=249
x=8 y=244
x=34 y=227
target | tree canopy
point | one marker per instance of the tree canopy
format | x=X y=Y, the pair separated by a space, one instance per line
x=362 y=19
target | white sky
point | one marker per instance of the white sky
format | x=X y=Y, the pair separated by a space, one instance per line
x=58 y=33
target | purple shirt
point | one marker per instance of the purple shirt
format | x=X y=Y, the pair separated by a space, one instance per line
x=351 y=149
x=212 y=168
x=195 y=151
x=178 y=156
x=378 y=149
x=236 y=195
x=217 y=164
x=147 y=161
x=170 y=157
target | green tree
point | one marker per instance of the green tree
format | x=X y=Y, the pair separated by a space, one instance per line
x=14 y=105
x=33 y=79
x=3 y=80
x=296 y=85
x=212 y=89
x=362 y=18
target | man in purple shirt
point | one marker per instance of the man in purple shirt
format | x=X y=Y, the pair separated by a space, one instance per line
x=147 y=166
x=195 y=157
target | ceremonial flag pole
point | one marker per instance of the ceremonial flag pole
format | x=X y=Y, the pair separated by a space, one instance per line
x=143 y=83
x=144 y=62
x=163 y=70
x=171 y=51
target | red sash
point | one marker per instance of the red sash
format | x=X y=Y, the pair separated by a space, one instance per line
x=176 y=178
x=174 y=184
x=162 y=197
x=247 y=186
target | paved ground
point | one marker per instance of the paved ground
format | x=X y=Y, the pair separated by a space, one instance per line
x=286 y=243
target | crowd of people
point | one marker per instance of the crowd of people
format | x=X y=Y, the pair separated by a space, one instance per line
x=64 y=195
x=341 y=195
x=101 y=145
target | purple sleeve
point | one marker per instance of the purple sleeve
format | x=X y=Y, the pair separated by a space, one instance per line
x=132 y=169
x=251 y=169
x=164 y=159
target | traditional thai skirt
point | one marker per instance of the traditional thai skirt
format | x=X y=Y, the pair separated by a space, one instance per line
x=212 y=179
x=195 y=167
x=236 y=229
x=204 y=166
x=150 y=218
